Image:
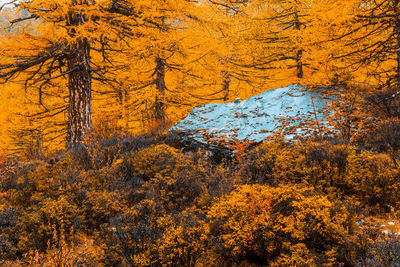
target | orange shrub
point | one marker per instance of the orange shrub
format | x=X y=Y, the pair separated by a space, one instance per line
x=155 y=159
x=373 y=179
x=340 y=171
x=289 y=225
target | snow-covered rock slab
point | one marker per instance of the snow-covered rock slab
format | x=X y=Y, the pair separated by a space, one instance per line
x=253 y=119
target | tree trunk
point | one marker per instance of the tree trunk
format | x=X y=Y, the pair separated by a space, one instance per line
x=125 y=107
x=226 y=84
x=299 y=64
x=397 y=31
x=79 y=83
x=159 y=105
x=299 y=55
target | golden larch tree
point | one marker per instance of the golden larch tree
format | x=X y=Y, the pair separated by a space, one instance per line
x=66 y=39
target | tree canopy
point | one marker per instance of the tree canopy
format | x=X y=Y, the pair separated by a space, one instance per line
x=138 y=65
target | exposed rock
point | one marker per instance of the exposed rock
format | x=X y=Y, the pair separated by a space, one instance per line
x=253 y=119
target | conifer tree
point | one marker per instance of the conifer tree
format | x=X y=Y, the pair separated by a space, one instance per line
x=69 y=38
x=375 y=40
x=269 y=40
x=279 y=24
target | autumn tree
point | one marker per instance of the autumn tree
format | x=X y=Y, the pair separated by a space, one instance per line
x=268 y=41
x=374 y=39
x=71 y=35
x=355 y=48
x=185 y=67
x=278 y=24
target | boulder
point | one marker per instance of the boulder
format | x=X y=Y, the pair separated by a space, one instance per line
x=256 y=118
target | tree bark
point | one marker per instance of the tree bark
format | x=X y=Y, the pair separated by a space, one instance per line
x=299 y=64
x=397 y=31
x=299 y=55
x=159 y=105
x=226 y=84
x=80 y=87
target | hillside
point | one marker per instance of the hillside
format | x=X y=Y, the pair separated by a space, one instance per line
x=140 y=201
x=200 y=133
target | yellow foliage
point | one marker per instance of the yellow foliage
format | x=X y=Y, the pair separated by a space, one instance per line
x=288 y=224
x=120 y=201
x=82 y=250
x=159 y=206
x=372 y=178
x=157 y=159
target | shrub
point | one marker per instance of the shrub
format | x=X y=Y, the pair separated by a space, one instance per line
x=176 y=181
x=146 y=203
x=340 y=171
x=147 y=236
x=79 y=251
x=289 y=225
x=356 y=251
x=384 y=251
x=183 y=240
x=155 y=159
x=7 y=249
x=273 y=163
x=36 y=224
x=259 y=164
x=372 y=179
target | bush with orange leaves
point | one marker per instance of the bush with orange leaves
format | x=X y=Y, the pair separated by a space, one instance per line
x=273 y=163
x=138 y=201
x=81 y=250
x=340 y=171
x=177 y=180
x=285 y=226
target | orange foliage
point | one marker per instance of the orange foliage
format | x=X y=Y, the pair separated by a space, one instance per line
x=135 y=201
x=143 y=200
x=239 y=149
x=277 y=226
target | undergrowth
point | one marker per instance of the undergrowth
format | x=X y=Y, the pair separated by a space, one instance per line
x=145 y=201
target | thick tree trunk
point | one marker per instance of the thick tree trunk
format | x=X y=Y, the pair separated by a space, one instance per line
x=159 y=105
x=80 y=112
